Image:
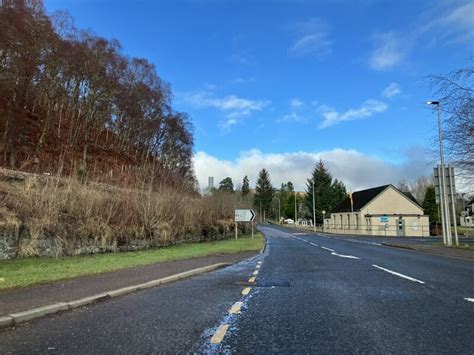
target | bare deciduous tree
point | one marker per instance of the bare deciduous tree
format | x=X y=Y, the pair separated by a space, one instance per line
x=455 y=91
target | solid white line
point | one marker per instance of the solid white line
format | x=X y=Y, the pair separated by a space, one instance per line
x=398 y=274
x=345 y=256
x=327 y=249
x=469 y=299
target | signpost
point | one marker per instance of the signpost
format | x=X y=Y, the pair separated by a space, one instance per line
x=243 y=216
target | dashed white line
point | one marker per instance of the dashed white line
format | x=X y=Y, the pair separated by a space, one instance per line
x=469 y=299
x=398 y=274
x=313 y=244
x=255 y=272
x=345 y=256
x=328 y=249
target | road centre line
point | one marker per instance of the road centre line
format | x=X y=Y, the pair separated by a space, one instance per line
x=255 y=272
x=398 y=274
x=219 y=334
x=252 y=280
x=469 y=299
x=246 y=291
x=313 y=244
x=345 y=256
x=328 y=249
x=258 y=266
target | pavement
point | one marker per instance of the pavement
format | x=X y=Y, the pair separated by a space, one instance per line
x=21 y=299
x=308 y=293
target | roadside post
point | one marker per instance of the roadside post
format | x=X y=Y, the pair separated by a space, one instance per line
x=243 y=216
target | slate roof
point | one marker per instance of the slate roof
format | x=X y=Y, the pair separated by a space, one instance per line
x=363 y=197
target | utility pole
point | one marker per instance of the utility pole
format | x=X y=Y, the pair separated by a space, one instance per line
x=453 y=202
x=314 y=211
x=443 y=196
x=279 y=211
x=296 y=212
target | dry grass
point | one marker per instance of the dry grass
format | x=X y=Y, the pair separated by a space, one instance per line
x=73 y=215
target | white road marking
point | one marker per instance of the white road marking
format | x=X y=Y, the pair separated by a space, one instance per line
x=258 y=266
x=345 y=256
x=469 y=299
x=398 y=274
x=313 y=244
x=246 y=291
x=328 y=249
x=255 y=272
x=259 y=263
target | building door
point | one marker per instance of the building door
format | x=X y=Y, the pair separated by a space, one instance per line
x=400 y=227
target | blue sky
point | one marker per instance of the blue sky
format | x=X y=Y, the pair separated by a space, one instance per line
x=280 y=84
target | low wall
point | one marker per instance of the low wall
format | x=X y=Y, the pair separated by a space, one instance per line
x=20 y=244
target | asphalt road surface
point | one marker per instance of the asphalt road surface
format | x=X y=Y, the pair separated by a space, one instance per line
x=305 y=294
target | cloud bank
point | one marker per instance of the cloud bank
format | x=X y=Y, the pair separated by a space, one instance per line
x=355 y=169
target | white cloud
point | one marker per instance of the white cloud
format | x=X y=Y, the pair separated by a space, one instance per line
x=292 y=117
x=392 y=90
x=441 y=25
x=234 y=107
x=355 y=169
x=367 y=109
x=313 y=38
x=296 y=103
x=389 y=51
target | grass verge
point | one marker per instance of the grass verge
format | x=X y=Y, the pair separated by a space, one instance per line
x=31 y=271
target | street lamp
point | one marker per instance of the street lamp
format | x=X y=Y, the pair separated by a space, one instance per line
x=314 y=212
x=445 y=220
x=323 y=212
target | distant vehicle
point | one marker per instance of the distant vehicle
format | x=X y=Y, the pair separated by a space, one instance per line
x=288 y=221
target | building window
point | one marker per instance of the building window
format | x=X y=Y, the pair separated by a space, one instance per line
x=348 y=221
x=357 y=221
x=341 y=222
x=368 y=222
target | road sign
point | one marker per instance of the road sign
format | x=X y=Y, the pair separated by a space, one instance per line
x=450 y=183
x=244 y=215
x=384 y=219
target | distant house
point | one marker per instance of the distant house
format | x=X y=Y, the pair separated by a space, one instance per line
x=467 y=216
x=382 y=210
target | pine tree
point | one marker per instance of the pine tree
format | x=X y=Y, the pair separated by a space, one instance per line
x=339 y=193
x=263 y=192
x=245 y=186
x=327 y=195
x=226 y=185
x=429 y=205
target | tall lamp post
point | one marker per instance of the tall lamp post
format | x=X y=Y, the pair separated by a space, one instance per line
x=324 y=213
x=314 y=212
x=445 y=220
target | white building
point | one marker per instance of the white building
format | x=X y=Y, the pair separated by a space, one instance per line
x=383 y=210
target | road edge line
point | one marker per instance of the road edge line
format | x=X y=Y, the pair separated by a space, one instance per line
x=39 y=312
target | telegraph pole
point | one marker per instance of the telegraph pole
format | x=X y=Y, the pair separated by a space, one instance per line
x=296 y=212
x=314 y=212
